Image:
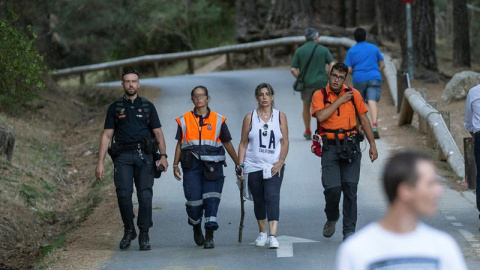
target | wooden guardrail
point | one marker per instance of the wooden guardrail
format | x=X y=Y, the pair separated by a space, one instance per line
x=389 y=72
x=414 y=102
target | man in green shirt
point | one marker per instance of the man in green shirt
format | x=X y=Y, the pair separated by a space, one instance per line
x=316 y=76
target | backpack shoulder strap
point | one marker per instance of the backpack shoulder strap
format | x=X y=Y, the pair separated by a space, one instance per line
x=324 y=93
x=146 y=108
x=118 y=108
x=353 y=101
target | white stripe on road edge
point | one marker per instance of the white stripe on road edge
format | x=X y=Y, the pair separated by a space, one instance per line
x=457 y=224
x=468 y=235
x=286 y=245
x=450 y=218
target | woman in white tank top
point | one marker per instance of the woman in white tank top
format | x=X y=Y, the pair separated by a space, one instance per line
x=261 y=153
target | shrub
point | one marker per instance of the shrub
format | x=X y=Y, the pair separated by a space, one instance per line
x=22 y=68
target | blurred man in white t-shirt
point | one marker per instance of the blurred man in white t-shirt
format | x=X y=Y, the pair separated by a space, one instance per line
x=400 y=240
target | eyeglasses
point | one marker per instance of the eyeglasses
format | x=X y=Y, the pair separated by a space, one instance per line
x=265 y=128
x=199 y=96
x=336 y=77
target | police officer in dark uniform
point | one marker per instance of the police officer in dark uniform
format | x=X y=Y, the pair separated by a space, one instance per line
x=137 y=146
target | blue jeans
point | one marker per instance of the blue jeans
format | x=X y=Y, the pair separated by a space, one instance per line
x=203 y=196
x=370 y=90
x=130 y=168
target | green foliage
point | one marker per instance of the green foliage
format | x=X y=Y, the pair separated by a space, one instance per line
x=30 y=194
x=46 y=249
x=22 y=68
x=98 y=31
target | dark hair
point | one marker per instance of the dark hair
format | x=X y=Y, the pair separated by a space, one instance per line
x=264 y=85
x=340 y=67
x=360 y=34
x=401 y=168
x=201 y=87
x=129 y=71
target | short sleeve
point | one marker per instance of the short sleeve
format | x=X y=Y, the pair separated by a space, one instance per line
x=347 y=60
x=329 y=57
x=379 y=55
x=225 y=135
x=179 y=135
x=317 y=102
x=359 y=104
x=154 y=120
x=110 y=118
x=295 y=63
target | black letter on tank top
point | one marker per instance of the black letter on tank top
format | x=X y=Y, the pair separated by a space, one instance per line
x=260 y=138
x=272 y=140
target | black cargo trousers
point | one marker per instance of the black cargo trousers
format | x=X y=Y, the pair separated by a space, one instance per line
x=339 y=176
x=134 y=167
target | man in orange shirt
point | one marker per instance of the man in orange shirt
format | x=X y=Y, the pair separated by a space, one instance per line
x=337 y=108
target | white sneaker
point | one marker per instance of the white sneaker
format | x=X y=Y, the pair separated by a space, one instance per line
x=272 y=240
x=261 y=239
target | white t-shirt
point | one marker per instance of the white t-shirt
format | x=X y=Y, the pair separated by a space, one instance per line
x=375 y=248
x=264 y=145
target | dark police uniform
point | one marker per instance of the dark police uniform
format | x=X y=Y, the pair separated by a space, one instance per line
x=133 y=165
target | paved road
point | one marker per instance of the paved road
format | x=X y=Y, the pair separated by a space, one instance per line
x=302 y=203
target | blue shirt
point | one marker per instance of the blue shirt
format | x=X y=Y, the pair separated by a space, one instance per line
x=363 y=58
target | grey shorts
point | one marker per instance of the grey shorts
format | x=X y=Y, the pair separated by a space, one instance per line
x=307 y=94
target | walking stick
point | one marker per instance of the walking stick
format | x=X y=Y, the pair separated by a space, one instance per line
x=242 y=213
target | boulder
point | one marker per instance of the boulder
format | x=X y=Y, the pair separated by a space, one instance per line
x=7 y=142
x=457 y=88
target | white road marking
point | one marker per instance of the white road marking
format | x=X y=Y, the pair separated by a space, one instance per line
x=457 y=224
x=286 y=245
x=468 y=235
x=451 y=218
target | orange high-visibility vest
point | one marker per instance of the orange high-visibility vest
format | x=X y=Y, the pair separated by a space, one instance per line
x=203 y=139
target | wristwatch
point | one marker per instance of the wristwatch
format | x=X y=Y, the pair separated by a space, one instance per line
x=163 y=155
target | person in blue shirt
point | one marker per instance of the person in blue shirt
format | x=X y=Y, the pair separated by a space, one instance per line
x=365 y=61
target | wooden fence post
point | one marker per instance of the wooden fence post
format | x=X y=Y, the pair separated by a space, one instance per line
x=82 y=78
x=431 y=142
x=470 y=166
x=446 y=119
x=155 y=69
x=406 y=113
x=229 y=62
x=401 y=86
x=340 y=53
x=191 y=68
x=422 y=123
x=120 y=72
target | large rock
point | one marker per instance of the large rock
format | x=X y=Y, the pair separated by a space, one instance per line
x=7 y=143
x=457 y=88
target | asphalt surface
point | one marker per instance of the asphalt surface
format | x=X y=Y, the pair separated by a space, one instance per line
x=302 y=245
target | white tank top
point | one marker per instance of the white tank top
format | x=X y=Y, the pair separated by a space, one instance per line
x=264 y=140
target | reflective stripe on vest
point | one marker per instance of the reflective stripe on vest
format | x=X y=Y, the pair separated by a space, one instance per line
x=199 y=138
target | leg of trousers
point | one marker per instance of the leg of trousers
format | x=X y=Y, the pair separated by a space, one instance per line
x=337 y=176
x=476 y=151
x=203 y=196
x=266 y=195
x=129 y=168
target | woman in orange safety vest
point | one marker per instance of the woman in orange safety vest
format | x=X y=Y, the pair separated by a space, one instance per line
x=202 y=137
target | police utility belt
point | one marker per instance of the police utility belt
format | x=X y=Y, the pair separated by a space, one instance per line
x=149 y=145
x=347 y=147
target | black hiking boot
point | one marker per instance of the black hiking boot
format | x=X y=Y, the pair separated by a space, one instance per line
x=129 y=235
x=208 y=239
x=198 y=235
x=144 y=240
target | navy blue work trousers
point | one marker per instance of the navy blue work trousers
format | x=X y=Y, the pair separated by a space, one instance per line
x=131 y=167
x=203 y=196
x=341 y=176
x=476 y=150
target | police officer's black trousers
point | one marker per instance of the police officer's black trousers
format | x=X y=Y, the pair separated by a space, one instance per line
x=340 y=176
x=130 y=168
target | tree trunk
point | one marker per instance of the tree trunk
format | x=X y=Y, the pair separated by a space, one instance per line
x=352 y=13
x=387 y=25
x=247 y=23
x=286 y=17
x=461 y=36
x=423 y=28
x=366 y=12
